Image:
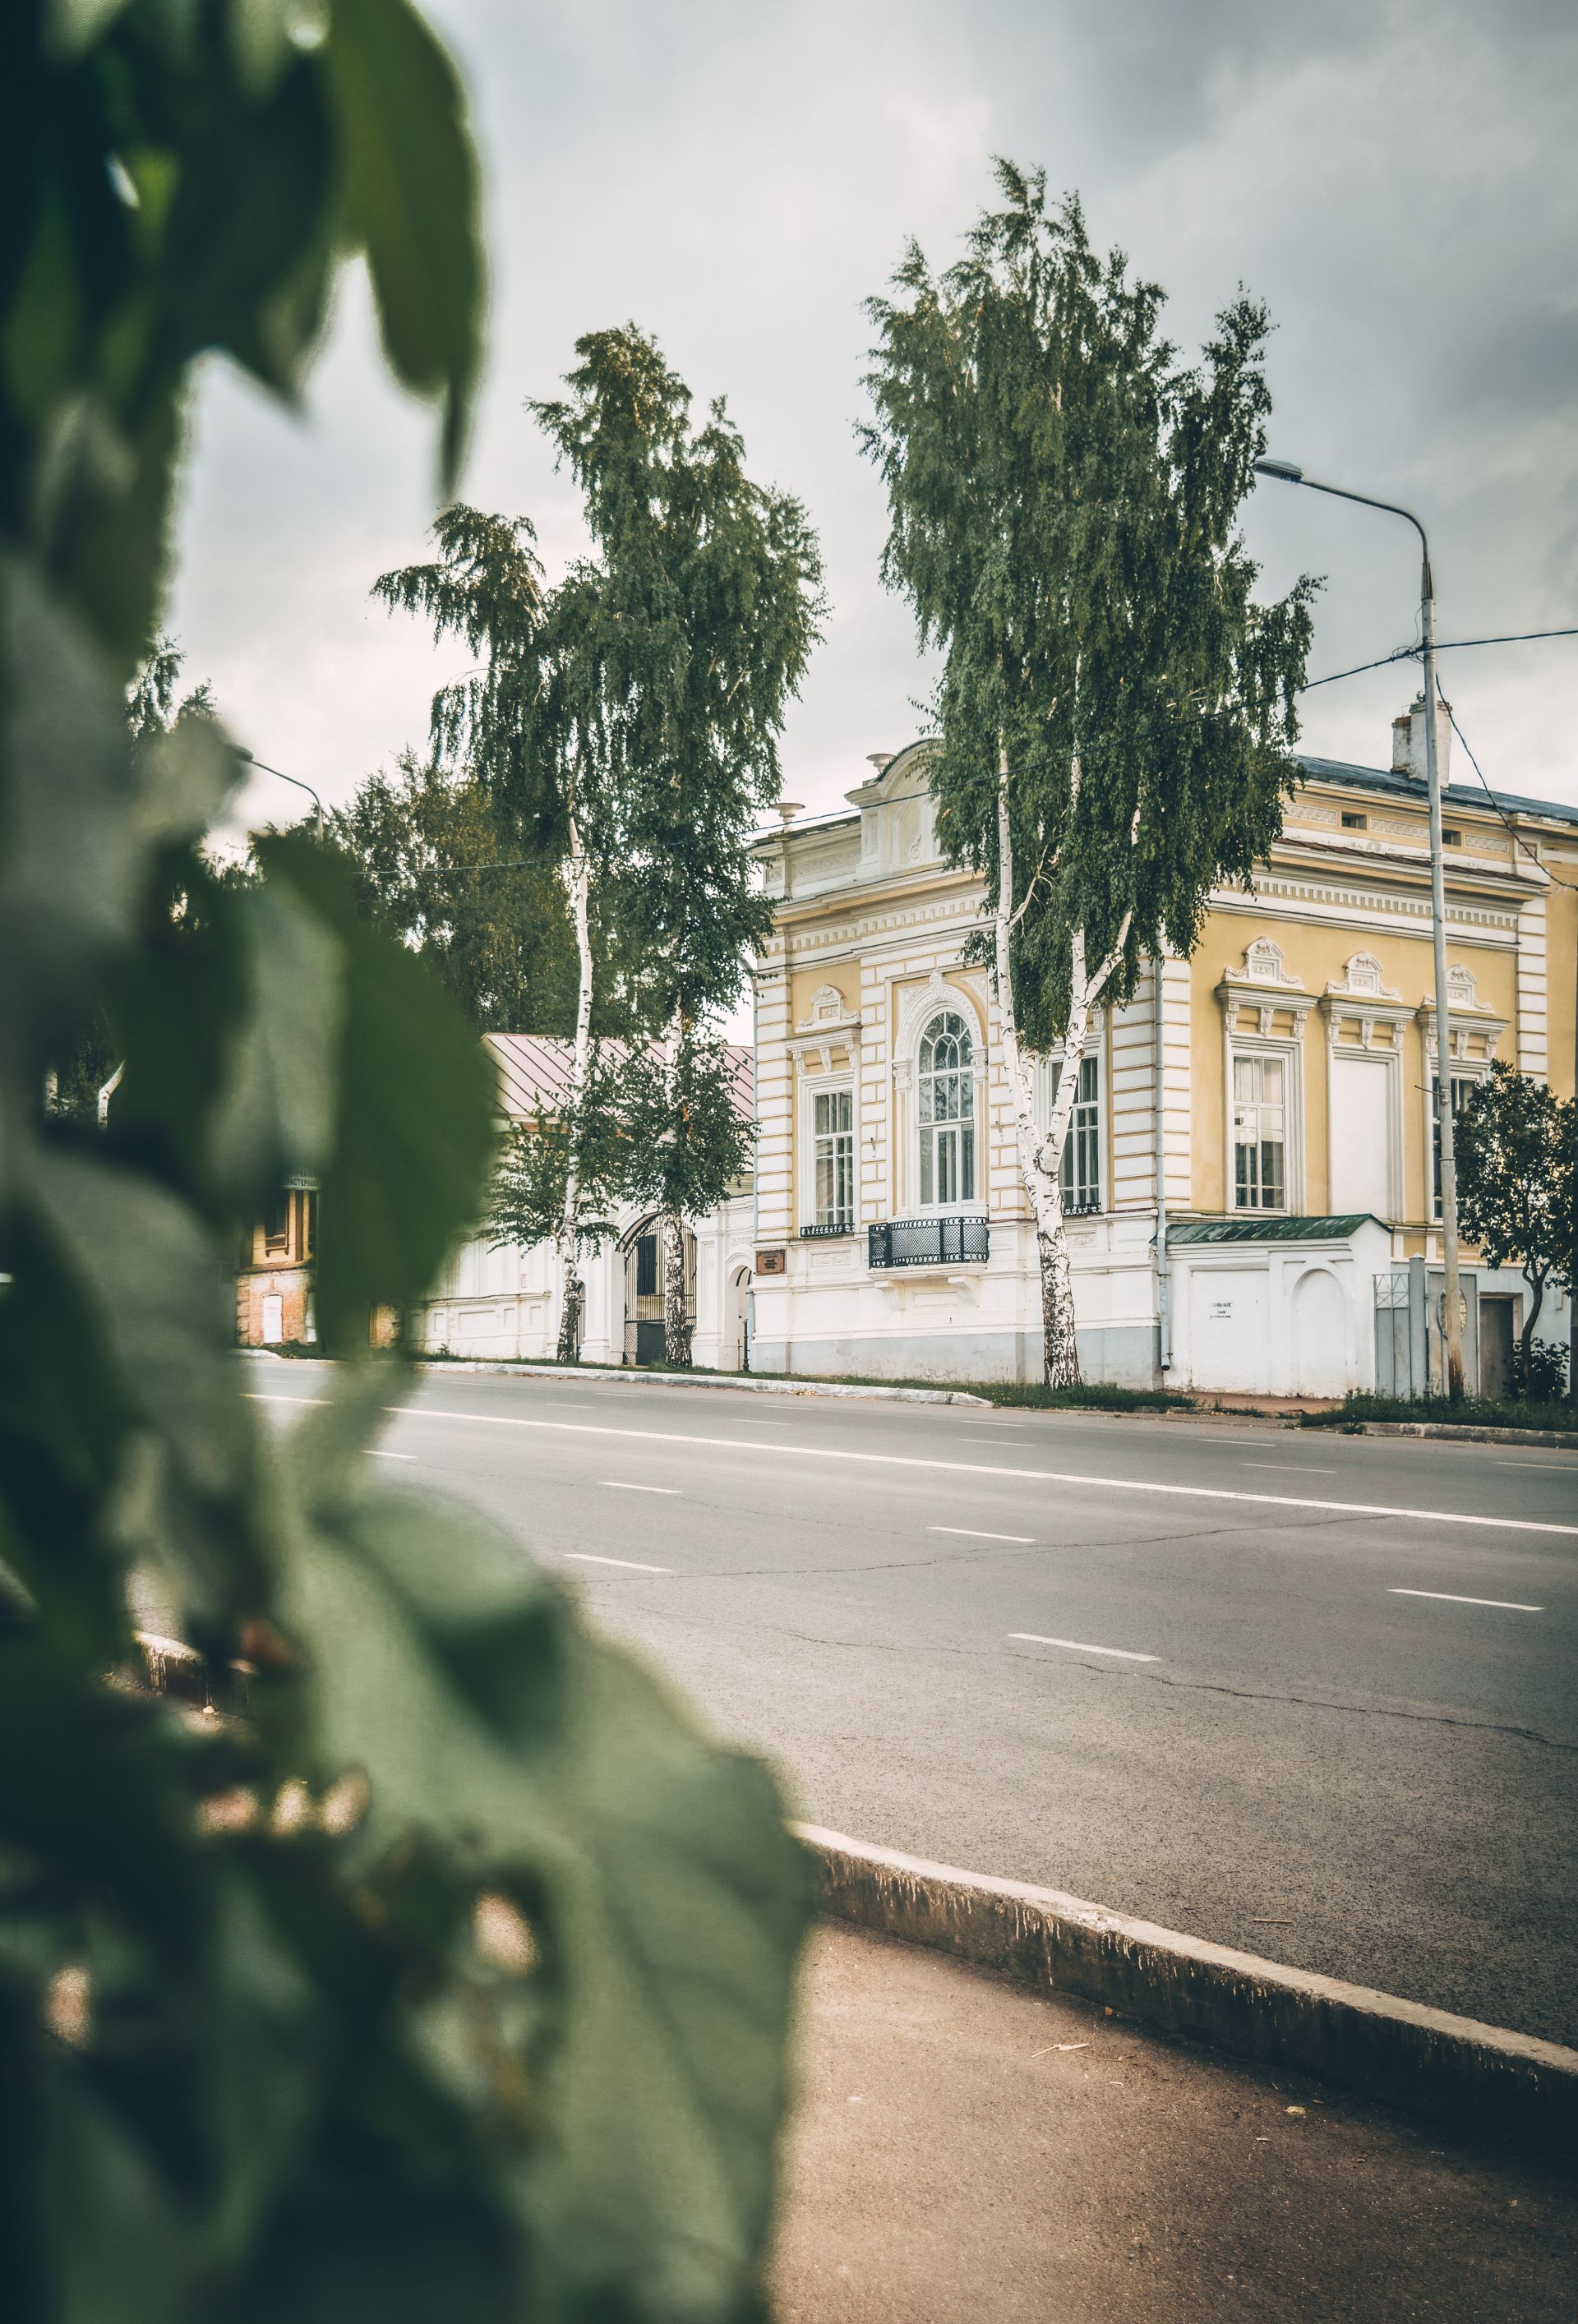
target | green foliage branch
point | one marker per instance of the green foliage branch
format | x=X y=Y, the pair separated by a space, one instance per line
x=689 y=629
x=1116 y=710
x=449 y=1979
x=1516 y=1146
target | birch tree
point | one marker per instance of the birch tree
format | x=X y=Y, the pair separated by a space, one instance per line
x=694 y=621
x=1115 y=711
x=526 y=723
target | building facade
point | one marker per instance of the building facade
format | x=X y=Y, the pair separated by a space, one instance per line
x=1252 y=1172
x=274 y=1283
x=502 y=1301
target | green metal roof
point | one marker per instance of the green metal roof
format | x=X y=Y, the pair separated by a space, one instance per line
x=1263 y=1230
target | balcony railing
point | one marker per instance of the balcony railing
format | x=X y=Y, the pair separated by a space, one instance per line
x=928 y=1242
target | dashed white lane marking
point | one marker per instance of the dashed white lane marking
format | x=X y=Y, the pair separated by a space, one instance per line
x=1077 y=1646
x=960 y=1467
x=630 y=1565
x=383 y=1453
x=612 y=1485
x=1558 y=1467
x=973 y=1533
x=1287 y=1468
x=1507 y=1605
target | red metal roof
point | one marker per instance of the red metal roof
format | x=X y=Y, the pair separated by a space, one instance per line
x=534 y=1071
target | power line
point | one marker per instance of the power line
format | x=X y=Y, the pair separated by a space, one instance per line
x=1514 y=833
x=1449 y=645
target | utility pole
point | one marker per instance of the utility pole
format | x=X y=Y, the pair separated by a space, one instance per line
x=1286 y=472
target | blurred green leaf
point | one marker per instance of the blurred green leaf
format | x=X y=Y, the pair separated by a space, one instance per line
x=276 y=1114
x=414 y=1133
x=672 y=1899
x=69 y=853
x=411 y=193
x=162 y=1308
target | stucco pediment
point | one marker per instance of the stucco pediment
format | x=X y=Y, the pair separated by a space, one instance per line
x=1472 y=1029
x=829 y=1011
x=1263 y=986
x=905 y=773
x=1363 y=979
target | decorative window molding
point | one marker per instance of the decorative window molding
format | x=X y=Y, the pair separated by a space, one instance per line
x=830 y=1013
x=947 y=1116
x=1272 y=1115
x=1366 y=1020
x=1363 y=976
x=828 y=1197
x=918 y=1011
x=1263 y=991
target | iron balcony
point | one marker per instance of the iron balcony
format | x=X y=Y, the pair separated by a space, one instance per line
x=928 y=1242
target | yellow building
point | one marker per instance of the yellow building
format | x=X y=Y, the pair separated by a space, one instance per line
x=1267 y=1102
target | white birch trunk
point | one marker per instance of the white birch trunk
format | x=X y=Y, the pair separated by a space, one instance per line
x=1041 y=1157
x=566 y=1242
x=675 y=1321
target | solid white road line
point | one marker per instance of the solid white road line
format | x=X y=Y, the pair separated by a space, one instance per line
x=1507 y=1605
x=631 y=1565
x=612 y=1485
x=976 y=1468
x=970 y=1533
x=1075 y=1646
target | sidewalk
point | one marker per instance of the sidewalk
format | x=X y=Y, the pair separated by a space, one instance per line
x=952 y=2163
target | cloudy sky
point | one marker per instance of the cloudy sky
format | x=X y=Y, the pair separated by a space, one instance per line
x=1396 y=181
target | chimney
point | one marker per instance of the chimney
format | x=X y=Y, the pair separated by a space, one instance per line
x=1409 y=741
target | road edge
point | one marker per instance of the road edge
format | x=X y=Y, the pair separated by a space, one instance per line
x=1424 y=2061
x=735 y=1383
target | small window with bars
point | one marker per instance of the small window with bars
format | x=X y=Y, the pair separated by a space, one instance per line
x=1259 y=1133
x=1082 y=1149
x=833 y=1149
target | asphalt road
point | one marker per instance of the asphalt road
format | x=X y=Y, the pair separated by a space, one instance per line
x=1305 y=1694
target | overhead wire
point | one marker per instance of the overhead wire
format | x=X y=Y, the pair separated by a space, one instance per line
x=1448 y=645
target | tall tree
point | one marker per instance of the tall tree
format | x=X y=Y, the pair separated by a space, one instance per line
x=1115 y=712
x=694 y=620
x=437 y=859
x=1518 y=1187
x=524 y=725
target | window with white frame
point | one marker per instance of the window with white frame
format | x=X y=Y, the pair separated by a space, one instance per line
x=1259 y=1133
x=833 y=1158
x=1463 y=1086
x=1081 y=1150
x=946 y=1113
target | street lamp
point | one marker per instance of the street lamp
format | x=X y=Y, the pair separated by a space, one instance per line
x=1288 y=473
x=301 y=786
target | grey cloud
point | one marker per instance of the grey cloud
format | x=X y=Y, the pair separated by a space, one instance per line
x=1395 y=181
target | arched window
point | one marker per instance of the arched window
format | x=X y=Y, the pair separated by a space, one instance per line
x=947 y=1114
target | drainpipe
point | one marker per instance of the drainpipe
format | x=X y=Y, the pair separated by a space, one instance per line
x=1164 y=1314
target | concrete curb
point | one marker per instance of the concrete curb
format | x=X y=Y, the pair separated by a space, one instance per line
x=735 y=1383
x=1399 y=2052
x=1561 y=1440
